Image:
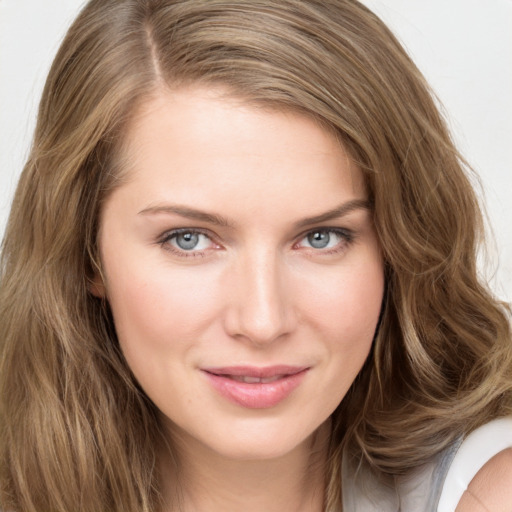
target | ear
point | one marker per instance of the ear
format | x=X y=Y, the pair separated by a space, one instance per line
x=96 y=286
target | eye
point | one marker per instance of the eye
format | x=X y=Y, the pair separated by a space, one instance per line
x=325 y=239
x=186 y=241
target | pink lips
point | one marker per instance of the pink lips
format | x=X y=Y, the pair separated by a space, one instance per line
x=256 y=388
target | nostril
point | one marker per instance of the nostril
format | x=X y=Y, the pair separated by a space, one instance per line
x=260 y=325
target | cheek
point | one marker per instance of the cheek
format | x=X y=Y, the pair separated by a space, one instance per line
x=159 y=308
x=347 y=303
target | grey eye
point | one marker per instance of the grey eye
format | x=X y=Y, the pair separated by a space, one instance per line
x=187 y=241
x=319 y=239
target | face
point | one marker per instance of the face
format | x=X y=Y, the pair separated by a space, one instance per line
x=242 y=270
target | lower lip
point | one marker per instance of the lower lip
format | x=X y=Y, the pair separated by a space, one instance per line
x=261 y=395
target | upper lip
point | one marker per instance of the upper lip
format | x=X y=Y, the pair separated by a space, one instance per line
x=257 y=372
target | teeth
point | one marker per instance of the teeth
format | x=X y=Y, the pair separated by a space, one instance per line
x=255 y=380
x=272 y=379
x=251 y=380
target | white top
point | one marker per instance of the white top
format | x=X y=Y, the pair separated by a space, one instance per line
x=478 y=448
x=435 y=486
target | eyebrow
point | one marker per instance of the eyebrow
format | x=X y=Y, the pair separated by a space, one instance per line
x=336 y=213
x=189 y=213
x=219 y=220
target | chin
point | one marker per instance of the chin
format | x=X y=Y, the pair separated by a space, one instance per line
x=260 y=440
x=258 y=451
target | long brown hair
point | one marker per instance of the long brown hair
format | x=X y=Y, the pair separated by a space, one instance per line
x=76 y=432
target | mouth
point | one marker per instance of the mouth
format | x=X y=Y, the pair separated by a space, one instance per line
x=256 y=388
x=253 y=380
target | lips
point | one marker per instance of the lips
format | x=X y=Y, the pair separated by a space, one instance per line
x=256 y=388
x=254 y=380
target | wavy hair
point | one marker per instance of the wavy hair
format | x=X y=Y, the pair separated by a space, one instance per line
x=76 y=431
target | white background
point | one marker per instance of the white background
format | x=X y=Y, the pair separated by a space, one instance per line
x=464 y=47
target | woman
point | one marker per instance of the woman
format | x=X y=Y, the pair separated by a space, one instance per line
x=239 y=273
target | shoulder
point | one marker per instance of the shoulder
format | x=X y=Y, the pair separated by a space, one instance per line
x=490 y=489
x=480 y=474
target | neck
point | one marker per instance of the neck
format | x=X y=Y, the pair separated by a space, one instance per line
x=208 y=482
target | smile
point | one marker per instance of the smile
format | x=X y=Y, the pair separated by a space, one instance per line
x=254 y=380
x=256 y=388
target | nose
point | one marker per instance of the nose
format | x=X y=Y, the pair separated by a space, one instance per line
x=260 y=304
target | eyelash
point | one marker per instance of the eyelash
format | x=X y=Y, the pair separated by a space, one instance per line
x=346 y=235
x=170 y=235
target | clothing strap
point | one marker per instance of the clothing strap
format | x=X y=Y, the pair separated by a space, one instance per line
x=475 y=451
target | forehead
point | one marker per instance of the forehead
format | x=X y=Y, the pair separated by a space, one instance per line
x=217 y=144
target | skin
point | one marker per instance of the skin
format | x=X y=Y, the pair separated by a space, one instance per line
x=491 y=489
x=253 y=291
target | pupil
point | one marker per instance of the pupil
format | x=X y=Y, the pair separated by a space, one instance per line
x=187 y=241
x=319 y=239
